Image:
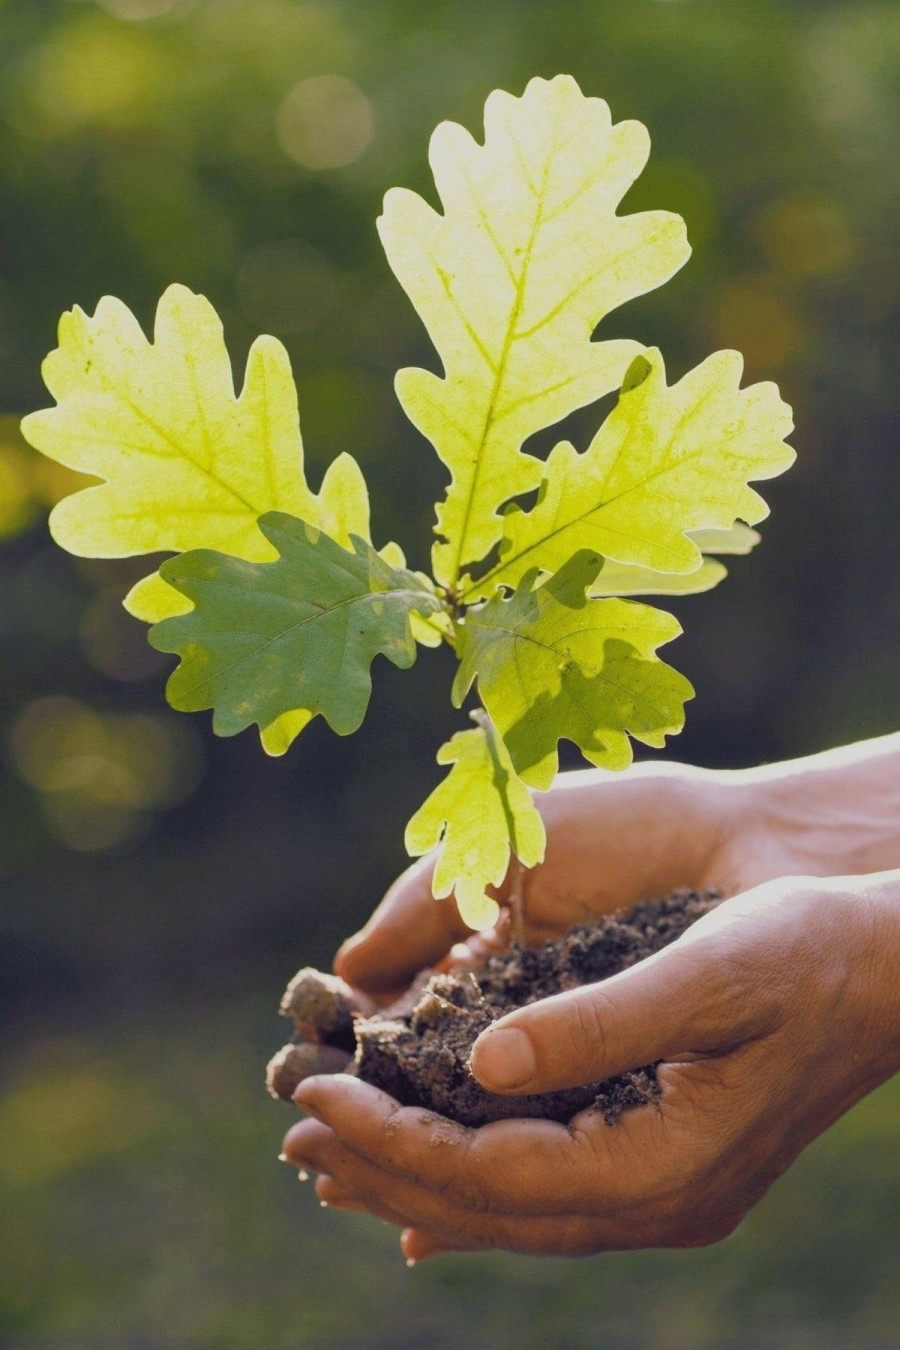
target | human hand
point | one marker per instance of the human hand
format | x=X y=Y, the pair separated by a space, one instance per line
x=771 y=1016
x=614 y=839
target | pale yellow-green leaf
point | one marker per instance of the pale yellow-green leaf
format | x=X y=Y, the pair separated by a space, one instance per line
x=185 y=463
x=620 y=579
x=666 y=463
x=511 y=281
x=278 y=737
x=624 y=579
x=428 y=630
x=552 y=664
x=739 y=540
x=484 y=814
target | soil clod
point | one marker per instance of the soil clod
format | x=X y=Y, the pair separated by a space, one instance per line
x=418 y=1051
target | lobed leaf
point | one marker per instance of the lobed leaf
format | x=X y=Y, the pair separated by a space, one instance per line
x=298 y=633
x=184 y=460
x=666 y=463
x=484 y=814
x=624 y=579
x=511 y=281
x=185 y=463
x=552 y=664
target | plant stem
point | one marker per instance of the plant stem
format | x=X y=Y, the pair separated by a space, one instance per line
x=517 y=900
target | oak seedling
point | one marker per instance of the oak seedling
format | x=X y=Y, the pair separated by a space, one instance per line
x=278 y=600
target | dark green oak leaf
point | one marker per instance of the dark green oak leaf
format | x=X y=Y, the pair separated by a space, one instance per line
x=553 y=664
x=300 y=632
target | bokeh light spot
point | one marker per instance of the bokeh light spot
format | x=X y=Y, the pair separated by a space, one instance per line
x=114 y=643
x=285 y=287
x=96 y=75
x=100 y=775
x=760 y=321
x=806 y=233
x=325 y=122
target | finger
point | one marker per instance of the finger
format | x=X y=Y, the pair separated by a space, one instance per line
x=426 y=1241
x=319 y=1148
x=693 y=998
x=335 y=1196
x=418 y=1244
x=510 y=1166
x=408 y=932
x=477 y=947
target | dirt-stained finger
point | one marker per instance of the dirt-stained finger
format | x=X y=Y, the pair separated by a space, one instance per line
x=571 y=1234
x=512 y=1166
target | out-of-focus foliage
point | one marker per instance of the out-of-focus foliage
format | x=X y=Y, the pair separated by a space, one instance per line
x=242 y=146
x=29 y=484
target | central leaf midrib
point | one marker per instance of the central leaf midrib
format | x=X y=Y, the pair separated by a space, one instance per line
x=259 y=651
x=143 y=416
x=501 y=368
x=592 y=510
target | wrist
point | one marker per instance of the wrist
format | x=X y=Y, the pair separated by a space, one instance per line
x=873 y=919
x=833 y=814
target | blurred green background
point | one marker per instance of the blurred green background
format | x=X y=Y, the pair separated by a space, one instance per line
x=157 y=886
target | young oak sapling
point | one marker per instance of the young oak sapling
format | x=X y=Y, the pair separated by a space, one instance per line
x=278 y=601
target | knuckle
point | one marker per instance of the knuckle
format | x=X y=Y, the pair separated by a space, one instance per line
x=585 y=1029
x=615 y=1187
x=468 y=1195
x=464 y=1185
x=729 y=993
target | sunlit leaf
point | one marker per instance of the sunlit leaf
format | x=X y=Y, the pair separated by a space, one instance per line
x=185 y=462
x=552 y=664
x=739 y=540
x=297 y=633
x=624 y=579
x=621 y=579
x=483 y=813
x=511 y=282
x=666 y=462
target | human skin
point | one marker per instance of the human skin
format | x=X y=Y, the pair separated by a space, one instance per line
x=771 y=1016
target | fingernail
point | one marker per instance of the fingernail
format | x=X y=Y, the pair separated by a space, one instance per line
x=343 y=952
x=283 y=1157
x=304 y=1105
x=303 y=1176
x=503 y=1059
x=323 y=1204
x=410 y=1262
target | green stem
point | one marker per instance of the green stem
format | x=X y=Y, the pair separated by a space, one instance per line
x=517 y=900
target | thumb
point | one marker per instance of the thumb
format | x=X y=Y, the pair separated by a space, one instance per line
x=675 y=1004
x=409 y=931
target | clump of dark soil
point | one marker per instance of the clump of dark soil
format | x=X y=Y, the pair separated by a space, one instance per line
x=418 y=1050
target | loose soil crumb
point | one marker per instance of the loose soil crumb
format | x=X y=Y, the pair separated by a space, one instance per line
x=418 y=1051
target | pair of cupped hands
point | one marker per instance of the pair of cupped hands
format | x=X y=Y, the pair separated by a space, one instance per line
x=769 y=1018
